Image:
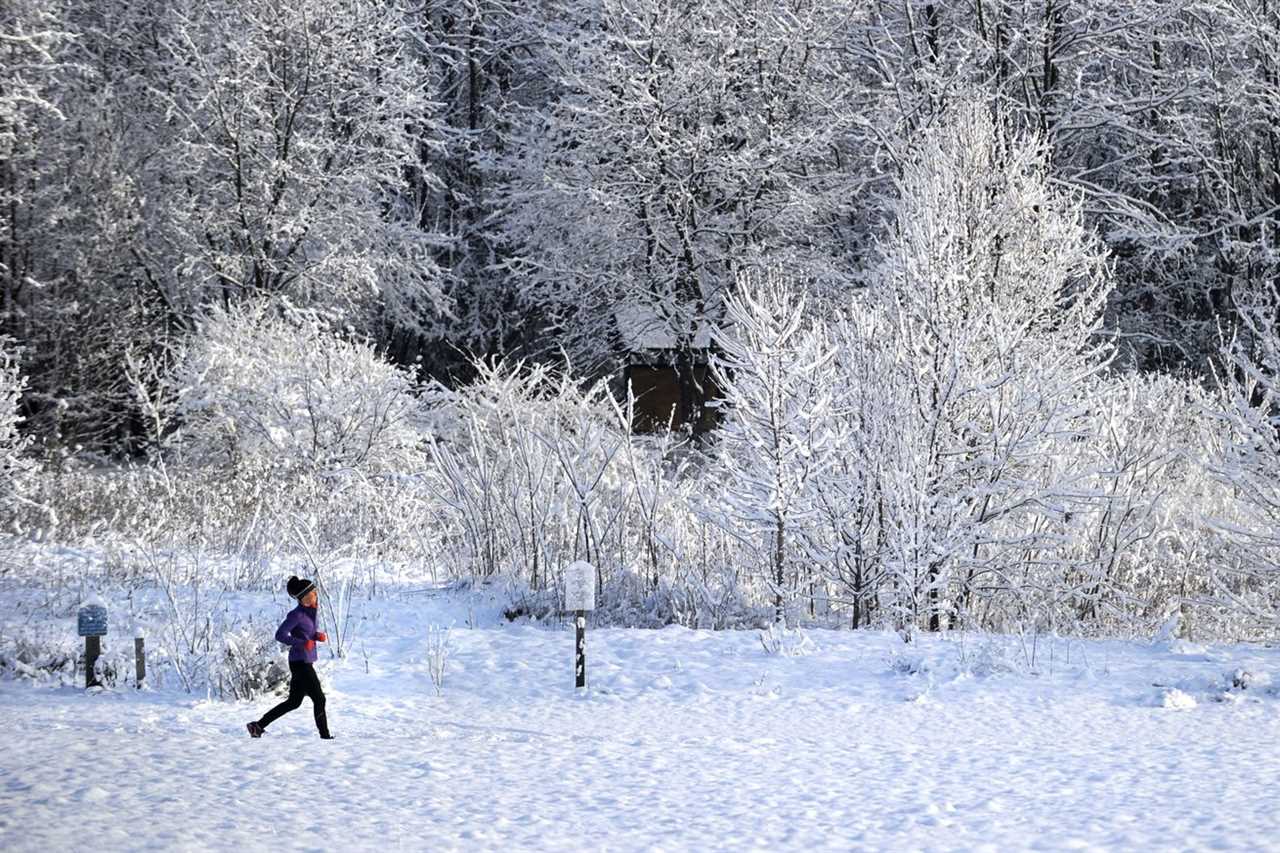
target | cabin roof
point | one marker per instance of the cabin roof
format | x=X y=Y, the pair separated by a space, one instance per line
x=643 y=328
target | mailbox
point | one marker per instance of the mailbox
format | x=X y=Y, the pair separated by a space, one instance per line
x=580 y=587
x=92 y=621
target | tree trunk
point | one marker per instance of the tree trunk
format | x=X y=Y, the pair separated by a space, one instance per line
x=779 y=541
x=935 y=597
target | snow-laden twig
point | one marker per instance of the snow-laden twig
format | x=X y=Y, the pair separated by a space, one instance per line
x=437 y=647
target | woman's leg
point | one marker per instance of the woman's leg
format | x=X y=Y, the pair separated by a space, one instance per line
x=312 y=686
x=298 y=687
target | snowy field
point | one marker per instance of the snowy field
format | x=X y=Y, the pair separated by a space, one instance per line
x=686 y=740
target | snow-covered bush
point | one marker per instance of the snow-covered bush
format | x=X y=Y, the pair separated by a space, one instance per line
x=780 y=640
x=524 y=472
x=38 y=656
x=187 y=637
x=1134 y=542
x=46 y=652
x=273 y=434
x=194 y=633
x=250 y=664
x=992 y=656
x=534 y=469
x=1249 y=461
x=715 y=596
x=257 y=388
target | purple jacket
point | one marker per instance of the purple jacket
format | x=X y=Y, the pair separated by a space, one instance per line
x=298 y=627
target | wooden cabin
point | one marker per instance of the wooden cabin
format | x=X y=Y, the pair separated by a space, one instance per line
x=653 y=378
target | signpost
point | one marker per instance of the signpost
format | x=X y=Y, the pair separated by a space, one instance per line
x=140 y=657
x=580 y=596
x=91 y=623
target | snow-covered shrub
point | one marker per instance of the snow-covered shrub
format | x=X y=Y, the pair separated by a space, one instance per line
x=632 y=599
x=1248 y=462
x=282 y=428
x=908 y=661
x=778 y=639
x=1244 y=679
x=1132 y=542
x=107 y=669
x=186 y=639
x=987 y=655
x=257 y=388
x=335 y=582
x=712 y=597
x=533 y=469
x=195 y=633
x=39 y=656
x=662 y=482
x=524 y=472
x=250 y=665
x=48 y=653
x=220 y=656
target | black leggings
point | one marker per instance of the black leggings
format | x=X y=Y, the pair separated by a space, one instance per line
x=304 y=682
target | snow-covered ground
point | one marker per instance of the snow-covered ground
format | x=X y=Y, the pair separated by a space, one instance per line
x=686 y=740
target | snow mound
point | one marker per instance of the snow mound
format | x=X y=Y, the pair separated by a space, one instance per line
x=1186 y=648
x=1176 y=700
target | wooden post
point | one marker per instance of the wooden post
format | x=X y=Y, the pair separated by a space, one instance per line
x=91 y=623
x=580 y=662
x=92 y=651
x=579 y=597
x=140 y=656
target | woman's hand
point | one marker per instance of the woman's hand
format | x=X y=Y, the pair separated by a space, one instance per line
x=321 y=637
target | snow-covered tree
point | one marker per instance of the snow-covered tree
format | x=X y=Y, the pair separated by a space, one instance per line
x=296 y=121
x=778 y=429
x=213 y=152
x=1142 y=106
x=13 y=467
x=991 y=298
x=844 y=539
x=487 y=62
x=685 y=144
x=32 y=37
x=82 y=301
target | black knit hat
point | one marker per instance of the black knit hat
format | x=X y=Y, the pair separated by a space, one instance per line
x=299 y=587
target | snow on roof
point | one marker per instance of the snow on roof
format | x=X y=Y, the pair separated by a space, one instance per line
x=642 y=328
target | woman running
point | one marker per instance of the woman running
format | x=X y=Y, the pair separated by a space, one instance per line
x=298 y=632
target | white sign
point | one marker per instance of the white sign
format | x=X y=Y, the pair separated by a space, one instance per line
x=580 y=586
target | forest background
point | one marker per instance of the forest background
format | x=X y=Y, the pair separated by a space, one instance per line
x=992 y=288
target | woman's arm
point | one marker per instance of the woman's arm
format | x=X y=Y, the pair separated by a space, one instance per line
x=284 y=633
